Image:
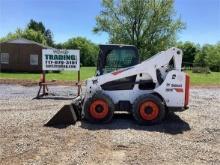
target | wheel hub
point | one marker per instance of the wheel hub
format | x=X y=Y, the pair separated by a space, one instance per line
x=148 y=110
x=99 y=108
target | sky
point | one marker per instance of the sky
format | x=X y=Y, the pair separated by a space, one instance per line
x=72 y=18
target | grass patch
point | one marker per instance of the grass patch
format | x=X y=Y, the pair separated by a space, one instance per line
x=204 y=79
x=86 y=72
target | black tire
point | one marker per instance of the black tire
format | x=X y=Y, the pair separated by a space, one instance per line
x=99 y=96
x=158 y=105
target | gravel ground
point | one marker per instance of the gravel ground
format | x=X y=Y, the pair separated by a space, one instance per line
x=190 y=137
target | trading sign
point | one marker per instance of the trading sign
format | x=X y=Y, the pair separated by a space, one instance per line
x=60 y=59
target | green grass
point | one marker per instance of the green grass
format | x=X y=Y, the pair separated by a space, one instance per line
x=204 y=79
x=86 y=72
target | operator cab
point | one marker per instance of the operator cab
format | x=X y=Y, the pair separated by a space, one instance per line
x=113 y=57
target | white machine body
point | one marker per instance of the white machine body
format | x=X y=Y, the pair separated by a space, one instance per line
x=173 y=88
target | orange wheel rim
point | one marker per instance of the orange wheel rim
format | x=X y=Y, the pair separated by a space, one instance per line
x=149 y=110
x=99 y=109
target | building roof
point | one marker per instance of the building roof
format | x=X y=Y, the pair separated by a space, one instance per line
x=24 y=41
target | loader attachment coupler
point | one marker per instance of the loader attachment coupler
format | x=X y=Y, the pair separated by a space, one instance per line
x=67 y=115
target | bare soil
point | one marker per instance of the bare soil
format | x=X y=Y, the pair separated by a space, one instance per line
x=189 y=137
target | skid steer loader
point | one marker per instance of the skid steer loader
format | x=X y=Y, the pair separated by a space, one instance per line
x=147 y=90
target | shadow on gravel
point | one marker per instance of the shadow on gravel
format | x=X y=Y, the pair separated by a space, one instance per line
x=54 y=98
x=58 y=126
x=173 y=124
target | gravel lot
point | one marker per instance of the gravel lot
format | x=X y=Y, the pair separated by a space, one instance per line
x=190 y=137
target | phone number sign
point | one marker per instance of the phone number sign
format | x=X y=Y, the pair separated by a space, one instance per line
x=60 y=59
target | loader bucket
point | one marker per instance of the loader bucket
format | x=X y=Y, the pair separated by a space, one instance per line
x=67 y=115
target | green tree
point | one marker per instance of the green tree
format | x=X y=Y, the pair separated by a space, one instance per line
x=49 y=37
x=150 y=25
x=189 y=52
x=88 y=50
x=35 y=31
x=39 y=27
x=18 y=34
x=35 y=36
x=36 y=26
x=58 y=46
x=209 y=56
x=201 y=56
x=212 y=59
x=30 y=34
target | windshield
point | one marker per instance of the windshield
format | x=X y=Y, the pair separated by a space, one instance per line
x=120 y=58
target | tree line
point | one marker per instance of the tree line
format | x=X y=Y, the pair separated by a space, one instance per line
x=152 y=26
x=195 y=55
x=36 y=31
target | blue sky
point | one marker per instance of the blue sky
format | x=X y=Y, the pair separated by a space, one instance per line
x=71 y=18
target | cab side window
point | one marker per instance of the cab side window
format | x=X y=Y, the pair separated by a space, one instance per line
x=120 y=58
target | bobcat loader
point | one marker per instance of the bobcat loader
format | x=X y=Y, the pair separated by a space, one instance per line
x=147 y=90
